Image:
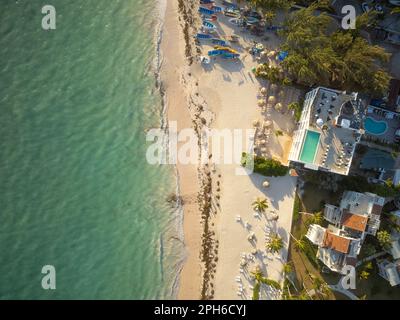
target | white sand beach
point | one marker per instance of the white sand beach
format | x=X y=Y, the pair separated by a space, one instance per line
x=231 y=91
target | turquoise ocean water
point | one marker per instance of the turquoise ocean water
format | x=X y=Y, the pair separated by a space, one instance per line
x=75 y=189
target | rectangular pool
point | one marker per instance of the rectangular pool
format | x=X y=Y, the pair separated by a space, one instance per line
x=310 y=146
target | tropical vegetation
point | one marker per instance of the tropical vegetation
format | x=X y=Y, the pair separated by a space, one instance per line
x=340 y=59
x=260 y=205
x=384 y=238
x=266 y=167
x=260 y=278
x=274 y=244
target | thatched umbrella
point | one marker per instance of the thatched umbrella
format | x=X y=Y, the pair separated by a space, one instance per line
x=273 y=87
x=261 y=102
x=267 y=123
x=263 y=91
x=264 y=54
x=278 y=106
x=271 y=99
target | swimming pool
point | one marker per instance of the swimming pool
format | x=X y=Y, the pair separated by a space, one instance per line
x=375 y=127
x=310 y=146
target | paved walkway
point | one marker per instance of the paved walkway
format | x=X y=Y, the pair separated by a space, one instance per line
x=374 y=256
x=338 y=288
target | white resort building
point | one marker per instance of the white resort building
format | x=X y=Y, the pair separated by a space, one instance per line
x=389 y=269
x=329 y=129
x=340 y=243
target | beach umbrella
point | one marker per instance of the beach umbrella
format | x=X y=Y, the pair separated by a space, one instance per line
x=320 y=122
x=278 y=106
x=275 y=216
x=267 y=123
x=261 y=102
x=271 y=99
x=263 y=91
x=256 y=123
x=273 y=87
x=265 y=184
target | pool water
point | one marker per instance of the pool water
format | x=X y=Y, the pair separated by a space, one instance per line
x=375 y=127
x=310 y=146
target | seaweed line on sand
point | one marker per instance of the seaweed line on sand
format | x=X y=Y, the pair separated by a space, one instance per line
x=201 y=119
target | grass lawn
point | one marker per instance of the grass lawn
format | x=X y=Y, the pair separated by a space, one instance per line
x=375 y=287
x=305 y=263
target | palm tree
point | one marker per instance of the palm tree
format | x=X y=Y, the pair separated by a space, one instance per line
x=287 y=268
x=364 y=275
x=317 y=218
x=269 y=17
x=260 y=205
x=395 y=11
x=260 y=278
x=341 y=59
x=275 y=243
x=299 y=244
x=384 y=238
x=273 y=5
x=321 y=286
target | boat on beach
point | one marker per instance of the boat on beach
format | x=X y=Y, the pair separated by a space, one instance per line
x=207 y=11
x=209 y=25
x=210 y=18
x=219 y=42
x=203 y=36
x=227 y=49
x=231 y=13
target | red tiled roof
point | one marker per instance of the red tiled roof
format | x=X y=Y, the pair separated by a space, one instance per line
x=354 y=221
x=336 y=242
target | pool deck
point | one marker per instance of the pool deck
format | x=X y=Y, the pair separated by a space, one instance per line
x=379 y=114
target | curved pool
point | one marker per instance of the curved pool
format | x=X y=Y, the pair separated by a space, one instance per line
x=375 y=127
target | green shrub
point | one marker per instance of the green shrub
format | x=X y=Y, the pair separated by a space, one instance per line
x=296 y=208
x=297 y=108
x=266 y=167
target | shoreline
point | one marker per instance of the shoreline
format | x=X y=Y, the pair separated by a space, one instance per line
x=173 y=67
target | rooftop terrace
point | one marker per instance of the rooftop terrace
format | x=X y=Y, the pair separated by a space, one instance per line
x=338 y=118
